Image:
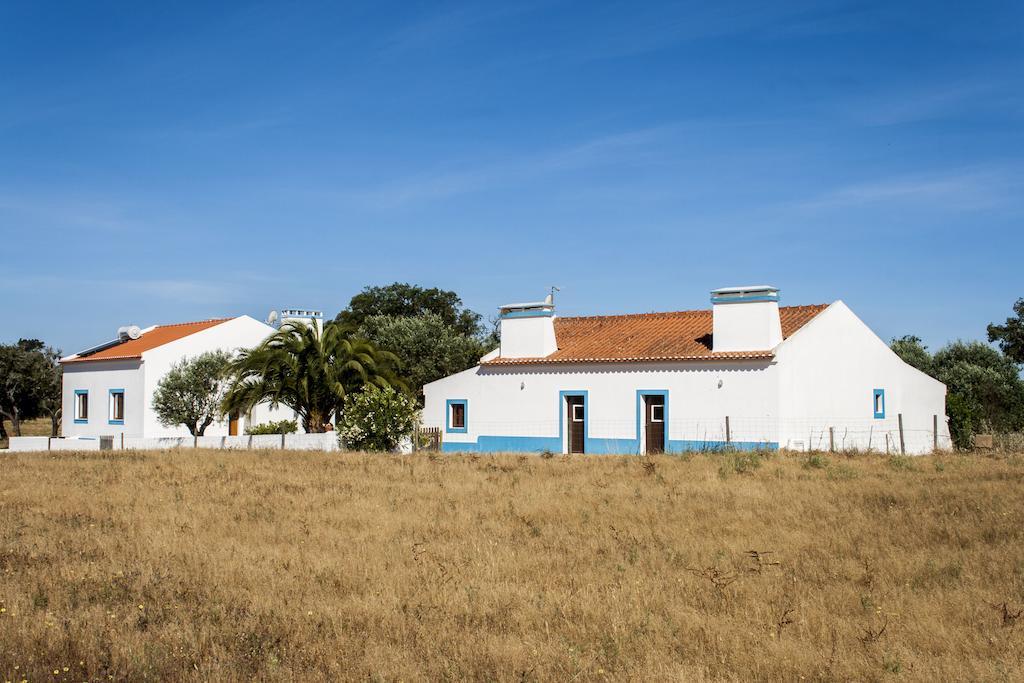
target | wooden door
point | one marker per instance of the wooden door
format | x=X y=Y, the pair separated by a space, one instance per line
x=654 y=410
x=233 y=424
x=577 y=423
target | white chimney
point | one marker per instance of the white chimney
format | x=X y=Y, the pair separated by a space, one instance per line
x=528 y=330
x=746 y=319
x=303 y=316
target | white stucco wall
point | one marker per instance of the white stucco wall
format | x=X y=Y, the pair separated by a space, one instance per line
x=98 y=378
x=527 y=336
x=828 y=371
x=238 y=333
x=519 y=407
x=746 y=325
x=139 y=380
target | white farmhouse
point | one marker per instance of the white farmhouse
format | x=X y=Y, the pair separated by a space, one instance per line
x=108 y=389
x=745 y=374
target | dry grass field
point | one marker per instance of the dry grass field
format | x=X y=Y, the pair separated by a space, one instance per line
x=287 y=566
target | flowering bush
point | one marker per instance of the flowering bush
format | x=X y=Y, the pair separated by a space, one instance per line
x=377 y=419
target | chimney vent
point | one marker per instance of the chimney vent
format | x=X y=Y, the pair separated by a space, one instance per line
x=303 y=316
x=528 y=329
x=746 y=318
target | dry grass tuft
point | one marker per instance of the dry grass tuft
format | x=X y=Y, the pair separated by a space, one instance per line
x=271 y=565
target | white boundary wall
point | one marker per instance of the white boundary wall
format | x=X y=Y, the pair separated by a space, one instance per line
x=327 y=441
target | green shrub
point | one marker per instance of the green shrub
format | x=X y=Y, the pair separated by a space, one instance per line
x=740 y=462
x=841 y=473
x=280 y=427
x=902 y=463
x=963 y=418
x=815 y=462
x=377 y=419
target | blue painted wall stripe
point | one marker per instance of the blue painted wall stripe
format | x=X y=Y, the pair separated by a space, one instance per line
x=527 y=314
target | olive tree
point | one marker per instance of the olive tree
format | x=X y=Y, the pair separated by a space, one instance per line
x=192 y=391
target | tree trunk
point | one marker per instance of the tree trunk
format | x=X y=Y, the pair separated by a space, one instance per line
x=15 y=423
x=55 y=425
x=3 y=431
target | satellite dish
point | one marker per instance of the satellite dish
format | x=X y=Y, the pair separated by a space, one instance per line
x=272 y=318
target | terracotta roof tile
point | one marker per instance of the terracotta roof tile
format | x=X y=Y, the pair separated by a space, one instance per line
x=158 y=336
x=678 y=336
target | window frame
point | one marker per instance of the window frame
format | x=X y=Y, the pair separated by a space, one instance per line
x=655 y=407
x=583 y=412
x=112 y=403
x=449 y=414
x=878 y=398
x=81 y=400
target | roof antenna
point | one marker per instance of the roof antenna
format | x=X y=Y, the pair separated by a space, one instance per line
x=550 y=298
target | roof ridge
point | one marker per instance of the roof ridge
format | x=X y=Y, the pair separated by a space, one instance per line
x=655 y=314
x=194 y=322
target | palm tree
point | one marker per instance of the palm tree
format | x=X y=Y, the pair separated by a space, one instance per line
x=309 y=371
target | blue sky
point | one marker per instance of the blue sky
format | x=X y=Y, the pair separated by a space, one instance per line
x=177 y=162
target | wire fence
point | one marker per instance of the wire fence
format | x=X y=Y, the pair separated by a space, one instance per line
x=898 y=434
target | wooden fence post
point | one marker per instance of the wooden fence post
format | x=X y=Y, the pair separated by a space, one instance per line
x=728 y=430
x=282 y=441
x=935 y=432
x=831 y=440
x=903 y=448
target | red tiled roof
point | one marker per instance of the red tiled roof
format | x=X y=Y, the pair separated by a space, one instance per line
x=679 y=336
x=158 y=336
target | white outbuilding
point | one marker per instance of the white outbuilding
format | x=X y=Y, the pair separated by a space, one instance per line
x=108 y=389
x=746 y=373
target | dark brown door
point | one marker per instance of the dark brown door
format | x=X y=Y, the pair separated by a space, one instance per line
x=654 y=409
x=577 y=423
x=233 y=424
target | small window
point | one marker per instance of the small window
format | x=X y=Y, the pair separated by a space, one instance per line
x=657 y=413
x=577 y=412
x=459 y=415
x=116 y=406
x=81 y=406
x=879 y=404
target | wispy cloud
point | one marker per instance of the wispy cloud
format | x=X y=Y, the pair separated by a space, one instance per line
x=66 y=212
x=923 y=103
x=625 y=148
x=963 y=190
x=447 y=26
x=628 y=28
x=206 y=292
x=224 y=129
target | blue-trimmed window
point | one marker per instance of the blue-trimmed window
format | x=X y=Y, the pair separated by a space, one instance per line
x=878 y=404
x=456 y=416
x=81 y=406
x=116 y=414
